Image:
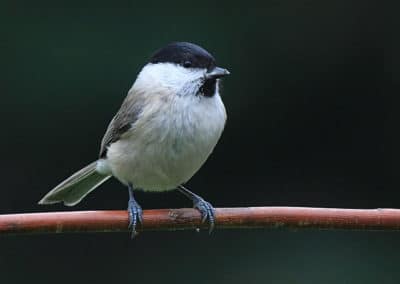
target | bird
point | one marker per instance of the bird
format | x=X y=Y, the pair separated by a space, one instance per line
x=164 y=131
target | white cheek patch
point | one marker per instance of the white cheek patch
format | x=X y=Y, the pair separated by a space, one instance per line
x=172 y=77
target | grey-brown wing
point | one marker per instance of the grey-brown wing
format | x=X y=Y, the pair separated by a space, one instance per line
x=121 y=122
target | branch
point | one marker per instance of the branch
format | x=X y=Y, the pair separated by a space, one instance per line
x=189 y=219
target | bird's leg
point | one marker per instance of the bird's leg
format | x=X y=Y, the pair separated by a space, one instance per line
x=206 y=209
x=134 y=211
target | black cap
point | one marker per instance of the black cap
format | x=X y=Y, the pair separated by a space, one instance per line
x=186 y=54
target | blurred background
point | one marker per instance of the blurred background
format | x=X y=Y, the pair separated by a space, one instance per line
x=307 y=113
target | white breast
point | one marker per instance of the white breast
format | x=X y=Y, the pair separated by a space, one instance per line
x=170 y=141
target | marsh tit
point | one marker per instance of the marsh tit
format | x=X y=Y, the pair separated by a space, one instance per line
x=166 y=128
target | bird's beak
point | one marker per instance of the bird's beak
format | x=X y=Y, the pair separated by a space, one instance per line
x=216 y=73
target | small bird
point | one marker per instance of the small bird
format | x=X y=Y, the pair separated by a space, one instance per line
x=167 y=126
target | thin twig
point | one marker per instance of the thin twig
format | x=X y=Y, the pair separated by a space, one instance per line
x=189 y=219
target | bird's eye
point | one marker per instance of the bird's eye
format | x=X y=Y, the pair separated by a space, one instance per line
x=187 y=64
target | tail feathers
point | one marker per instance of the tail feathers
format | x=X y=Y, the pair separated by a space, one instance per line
x=72 y=190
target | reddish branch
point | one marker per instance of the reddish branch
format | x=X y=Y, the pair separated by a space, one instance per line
x=182 y=219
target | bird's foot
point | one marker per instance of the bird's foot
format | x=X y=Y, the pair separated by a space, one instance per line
x=135 y=216
x=207 y=212
x=206 y=209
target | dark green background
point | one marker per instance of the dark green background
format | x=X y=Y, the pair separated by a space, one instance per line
x=306 y=107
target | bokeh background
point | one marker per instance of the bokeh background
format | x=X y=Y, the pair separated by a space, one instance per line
x=308 y=126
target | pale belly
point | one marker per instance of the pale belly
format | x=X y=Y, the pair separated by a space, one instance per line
x=166 y=153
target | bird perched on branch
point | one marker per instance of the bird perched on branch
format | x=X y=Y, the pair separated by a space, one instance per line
x=165 y=130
